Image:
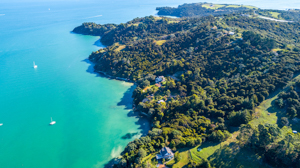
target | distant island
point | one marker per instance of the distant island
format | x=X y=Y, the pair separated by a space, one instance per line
x=202 y=9
x=220 y=85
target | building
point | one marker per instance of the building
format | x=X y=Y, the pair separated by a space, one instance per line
x=165 y=153
x=160 y=101
x=245 y=15
x=295 y=132
x=214 y=28
x=158 y=85
x=160 y=79
x=145 y=100
x=231 y=33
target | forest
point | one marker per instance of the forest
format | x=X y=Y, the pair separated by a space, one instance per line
x=215 y=71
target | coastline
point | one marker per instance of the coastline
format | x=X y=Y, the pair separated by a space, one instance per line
x=103 y=74
x=127 y=102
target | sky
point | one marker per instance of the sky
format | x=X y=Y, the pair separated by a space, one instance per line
x=264 y=4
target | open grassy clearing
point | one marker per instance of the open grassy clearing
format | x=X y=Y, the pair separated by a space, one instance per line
x=212 y=6
x=266 y=112
x=278 y=49
x=173 y=21
x=250 y=7
x=233 y=6
x=228 y=154
x=209 y=148
x=160 y=42
x=157 y=18
x=121 y=47
x=185 y=157
x=233 y=156
x=275 y=14
x=239 y=6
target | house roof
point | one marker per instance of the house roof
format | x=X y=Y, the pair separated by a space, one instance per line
x=165 y=151
x=158 y=85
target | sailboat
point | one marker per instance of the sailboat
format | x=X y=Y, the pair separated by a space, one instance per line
x=34 y=66
x=52 y=122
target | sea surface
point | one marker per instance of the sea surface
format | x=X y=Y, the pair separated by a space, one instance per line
x=92 y=113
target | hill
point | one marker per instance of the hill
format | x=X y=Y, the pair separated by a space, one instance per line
x=203 y=9
x=213 y=72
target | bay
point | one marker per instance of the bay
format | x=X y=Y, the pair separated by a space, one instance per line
x=92 y=112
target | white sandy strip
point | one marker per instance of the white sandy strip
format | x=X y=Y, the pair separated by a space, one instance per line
x=116 y=152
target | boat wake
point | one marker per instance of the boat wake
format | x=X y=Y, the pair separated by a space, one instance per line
x=94 y=16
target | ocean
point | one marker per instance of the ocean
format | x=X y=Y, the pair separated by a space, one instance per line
x=92 y=113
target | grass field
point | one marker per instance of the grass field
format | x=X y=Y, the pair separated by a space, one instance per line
x=228 y=154
x=275 y=14
x=121 y=47
x=239 y=6
x=278 y=49
x=266 y=112
x=212 y=6
x=160 y=42
x=250 y=7
x=185 y=157
x=173 y=21
x=157 y=18
x=233 y=6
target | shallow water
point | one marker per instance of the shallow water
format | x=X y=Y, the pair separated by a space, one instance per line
x=92 y=112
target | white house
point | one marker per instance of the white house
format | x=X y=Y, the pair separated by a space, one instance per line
x=165 y=153
x=295 y=132
x=145 y=100
x=160 y=79
x=160 y=101
x=231 y=33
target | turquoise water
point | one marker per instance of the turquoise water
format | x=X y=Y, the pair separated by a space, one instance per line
x=92 y=113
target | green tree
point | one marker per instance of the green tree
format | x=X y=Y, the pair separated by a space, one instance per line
x=177 y=157
x=142 y=153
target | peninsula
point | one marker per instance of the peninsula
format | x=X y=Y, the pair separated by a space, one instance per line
x=220 y=85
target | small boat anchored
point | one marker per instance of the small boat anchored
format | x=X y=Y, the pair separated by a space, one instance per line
x=34 y=66
x=1 y=124
x=52 y=122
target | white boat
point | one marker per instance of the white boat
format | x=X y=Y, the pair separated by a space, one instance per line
x=52 y=122
x=34 y=66
x=1 y=124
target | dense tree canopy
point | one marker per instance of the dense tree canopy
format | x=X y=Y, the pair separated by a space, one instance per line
x=216 y=69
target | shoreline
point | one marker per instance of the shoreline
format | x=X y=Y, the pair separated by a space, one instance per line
x=92 y=70
x=143 y=121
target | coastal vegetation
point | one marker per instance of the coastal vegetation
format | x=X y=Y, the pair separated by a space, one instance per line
x=219 y=74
